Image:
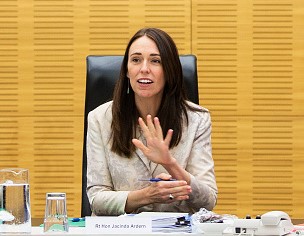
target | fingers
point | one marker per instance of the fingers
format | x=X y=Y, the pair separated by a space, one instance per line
x=158 y=129
x=156 y=148
x=152 y=128
x=174 y=184
x=167 y=192
x=139 y=145
x=164 y=176
x=181 y=193
x=144 y=128
x=174 y=190
x=168 y=137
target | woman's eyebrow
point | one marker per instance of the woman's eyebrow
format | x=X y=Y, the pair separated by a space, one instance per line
x=151 y=55
x=135 y=53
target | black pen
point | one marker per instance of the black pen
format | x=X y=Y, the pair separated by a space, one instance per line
x=156 y=179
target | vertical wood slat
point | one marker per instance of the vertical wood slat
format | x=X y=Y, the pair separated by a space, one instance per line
x=215 y=43
x=8 y=58
x=272 y=83
x=53 y=58
x=9 y=81
x=298 y=88
x=9 y=142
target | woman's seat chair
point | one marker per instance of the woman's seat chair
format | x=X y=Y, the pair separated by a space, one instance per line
x=102 y=74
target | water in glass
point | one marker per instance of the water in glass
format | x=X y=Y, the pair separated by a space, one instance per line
x=55 y=213
x=15 y=214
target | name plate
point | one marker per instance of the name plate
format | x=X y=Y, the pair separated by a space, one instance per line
x=115 y=225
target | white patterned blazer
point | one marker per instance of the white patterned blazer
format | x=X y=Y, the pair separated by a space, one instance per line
x=111 y=177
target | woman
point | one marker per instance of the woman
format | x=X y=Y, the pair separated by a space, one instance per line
x=150 y=130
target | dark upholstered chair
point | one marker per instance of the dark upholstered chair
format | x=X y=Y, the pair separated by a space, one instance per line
x=102 y=74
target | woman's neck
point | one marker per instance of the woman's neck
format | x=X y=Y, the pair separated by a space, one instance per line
x=147 y=106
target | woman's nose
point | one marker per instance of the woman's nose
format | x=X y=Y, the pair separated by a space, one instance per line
x=145 y=67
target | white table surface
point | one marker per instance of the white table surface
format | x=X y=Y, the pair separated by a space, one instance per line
x=81 y=231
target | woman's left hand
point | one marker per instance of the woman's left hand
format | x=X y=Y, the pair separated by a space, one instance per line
x=157 y=148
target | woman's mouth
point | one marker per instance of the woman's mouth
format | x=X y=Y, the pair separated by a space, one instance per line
x=145 y=81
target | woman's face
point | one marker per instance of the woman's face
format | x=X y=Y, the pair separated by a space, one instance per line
x=145 y=69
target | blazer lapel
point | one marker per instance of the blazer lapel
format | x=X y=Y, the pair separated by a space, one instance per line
x=143 y=158
x=151 y=166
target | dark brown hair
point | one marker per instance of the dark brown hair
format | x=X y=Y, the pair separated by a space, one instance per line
x=173 y=109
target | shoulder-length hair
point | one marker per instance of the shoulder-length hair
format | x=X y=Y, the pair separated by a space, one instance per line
x=173 y=109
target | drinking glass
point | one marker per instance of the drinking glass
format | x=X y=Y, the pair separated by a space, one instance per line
x=55 y=218
x=15 y=212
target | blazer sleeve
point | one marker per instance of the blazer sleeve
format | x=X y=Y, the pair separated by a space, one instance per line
x=201 y=167
x=104 y=200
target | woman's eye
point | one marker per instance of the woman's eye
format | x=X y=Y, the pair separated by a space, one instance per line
x=136 y=60
x=156 y=61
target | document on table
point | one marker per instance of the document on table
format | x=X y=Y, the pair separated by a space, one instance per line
x=168 y=221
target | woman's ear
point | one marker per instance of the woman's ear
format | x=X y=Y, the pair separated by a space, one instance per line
x=127 y=74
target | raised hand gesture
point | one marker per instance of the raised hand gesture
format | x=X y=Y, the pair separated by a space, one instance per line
x=157 y=148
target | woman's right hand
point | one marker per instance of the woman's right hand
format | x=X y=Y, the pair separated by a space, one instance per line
x=157 y=147
x=158 y=192
x=168 y=191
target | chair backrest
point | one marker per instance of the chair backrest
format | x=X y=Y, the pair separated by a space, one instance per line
x=102 y=74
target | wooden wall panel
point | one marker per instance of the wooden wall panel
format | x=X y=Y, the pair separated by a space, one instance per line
x=272 y=100
x=9 y=81
x=215 y=43
x=9 y=142
x=9 y=59
x=41 y=128
x=112 y=23
x=172 y=16
x=250 y=64
x=109 y=26
x=248 y=76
